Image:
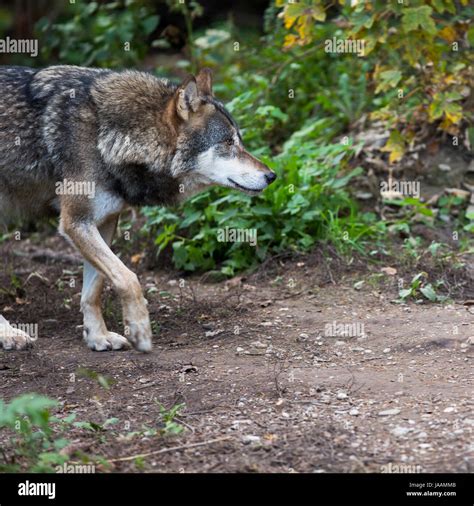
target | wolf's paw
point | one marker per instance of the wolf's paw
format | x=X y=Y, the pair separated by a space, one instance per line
x=14 y=339
x=107 y=342
x=139 y=334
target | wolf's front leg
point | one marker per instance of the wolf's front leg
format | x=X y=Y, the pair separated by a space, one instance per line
x=96 y=335
x=86 y=237
x=12 y=338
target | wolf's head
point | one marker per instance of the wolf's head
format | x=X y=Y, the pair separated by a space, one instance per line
x=209 y=145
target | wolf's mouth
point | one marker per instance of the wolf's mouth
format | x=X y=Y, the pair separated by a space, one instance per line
x=243 y=188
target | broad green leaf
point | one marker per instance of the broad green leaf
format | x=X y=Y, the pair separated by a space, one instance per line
x=388 y=79
x=428 y=292
x=404 y=293
x=418 y=17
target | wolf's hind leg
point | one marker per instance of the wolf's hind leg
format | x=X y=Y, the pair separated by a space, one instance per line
x=12 y=338
x=96 y=335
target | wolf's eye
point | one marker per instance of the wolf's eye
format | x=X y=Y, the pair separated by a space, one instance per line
x=229 y=142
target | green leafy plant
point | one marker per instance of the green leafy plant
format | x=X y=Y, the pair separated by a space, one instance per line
x=170 y=427
x=94 y=426
x=15 y=288
x=469 y=227
x=35 y=445
x=416 y=46
x=108 y=34
x=307 y=203
x=419 y=287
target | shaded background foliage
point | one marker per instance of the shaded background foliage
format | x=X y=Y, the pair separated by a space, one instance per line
x=301 y=108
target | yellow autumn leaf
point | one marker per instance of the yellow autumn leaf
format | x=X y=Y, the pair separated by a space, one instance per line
x=449 y=127
x=453 y=117
x=135 y=259
x=396 y=155
x=369 y=45
x=384 y=114
x=304 y=27
x=449 y=79
x=382 y=38
x=290 y=41
x=289 y=21
x=291 y=13
x=395 y=146
x=448 y=33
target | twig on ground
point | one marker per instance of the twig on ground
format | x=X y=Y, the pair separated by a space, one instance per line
x=182 y=422
x=152 y=383
x=371 y=358
x=171 y=449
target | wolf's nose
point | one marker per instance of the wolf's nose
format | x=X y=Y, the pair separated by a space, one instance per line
x=270 y=177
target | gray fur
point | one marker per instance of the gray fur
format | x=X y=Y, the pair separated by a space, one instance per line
x=42 y=118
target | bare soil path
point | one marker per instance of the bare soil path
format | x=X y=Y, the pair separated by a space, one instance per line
x=265 y=385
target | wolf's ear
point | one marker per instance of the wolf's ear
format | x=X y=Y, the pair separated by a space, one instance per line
x=187 y=100
x=204 y=81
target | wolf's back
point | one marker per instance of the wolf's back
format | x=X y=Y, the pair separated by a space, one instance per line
x=18 y=118
x=33 y=112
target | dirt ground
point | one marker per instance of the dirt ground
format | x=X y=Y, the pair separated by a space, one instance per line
x=265 y=385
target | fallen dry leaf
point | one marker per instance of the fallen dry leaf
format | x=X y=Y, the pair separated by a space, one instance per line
x=135 y=259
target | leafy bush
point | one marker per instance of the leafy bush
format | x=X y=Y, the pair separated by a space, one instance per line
x=306 y=204
x=276 y=107
x=292 y=99
x=417 y=54
x=35 y=442
x=98 y=34
x=305 y=85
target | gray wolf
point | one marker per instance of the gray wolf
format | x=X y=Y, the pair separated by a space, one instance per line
x=88 y=143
